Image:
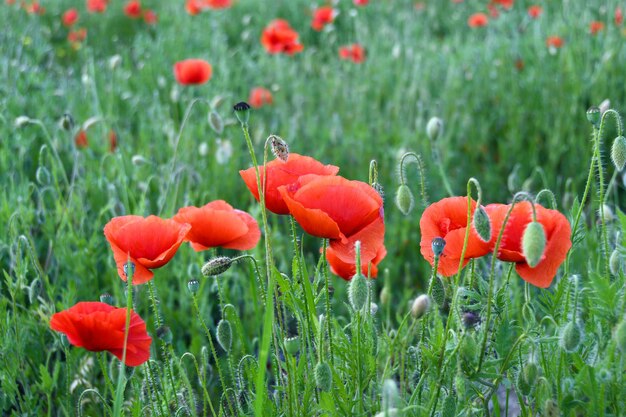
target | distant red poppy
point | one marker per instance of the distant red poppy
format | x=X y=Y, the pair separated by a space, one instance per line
x=360 y=2
x=507 y=4
x=34 y=8
x=323 y=16
x=595 y=27
x=419 y=6
x=332 y=207
x=519 y=64
x=619 y=16
x=132 y=9
x=447 y=219
x=478 y=20
x=493 y=10
x=81 y=137
x=98 y=326
x=150 y=17
x=149 y=242
x=97 y=6
x=75 y=37
x=259 y=97
x=354 y=53
x=341 y=256
x=192 y=71
x=218 y=4
x=194 y=7
x=281 y=173
x=218 y=224
x=535 y=11
x=279 y=37
x=70 y=17
x=558 y=240
x=555 y=42
x=10 y=2
x=112 y=140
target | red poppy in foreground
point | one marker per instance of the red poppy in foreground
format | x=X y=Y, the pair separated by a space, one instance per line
x=554 y=42
x=478 y=20
x=447 y=219
x=354 y=53
x=98 y=326
x=149 y=242
x=132 y=9
x=595 y=27
x=278 y=37
x=323 y=16
x=259 y=97
x=70 y=17
x=218 y=224
x=281 y=173
x=97 y=6
x=558 y=240
x=192 y=71
x=332 y=207
x=535 y=11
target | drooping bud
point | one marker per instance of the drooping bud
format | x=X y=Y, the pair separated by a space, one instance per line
x=620 y=336
x=216 y=266
x=193 y=285
x=533 y=243
x=107 y=299
x=34 y=290
x=571 y=336
x=43 y=176
x=67 y=122
x=527 y=377
x=242 y=111
x=482 y=224
x=358 y=291
x=618 y=152
x=292 y=345
x=280 y=148
x=437 y=245
x=420 y=306
x=404 y=199
x=594 y=116
x=216 y=122
x=165 y=334
x=224 y=335
x=438 y=292
x=390 y=394
x=323 y=376
x=434 y=128
x=615 y=262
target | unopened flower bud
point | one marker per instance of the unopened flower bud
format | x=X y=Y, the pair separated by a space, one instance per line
x=615 y=262
x=292 y=345
x=384 y=296
x=216 y=122
x=67 y=122
x=533 y=243
x=437 y=245
x=107 y=299
x=448 y=408
x=470 y=319
x=551 y=409
x=224 y=335
x=434 y=128
x=404 y=199
x=193 y=285
x=280 y=148
x=242 y=111
x=165 y=334
x=482 y=224
x=571 y=337
x=390 y=394
x=620 y=336
x=323 y=376
x=420 y=306
x=34 y=290
x=216 y=266
x=358 y=291
x=594 y=116
x=21 y=121
x=618 y=152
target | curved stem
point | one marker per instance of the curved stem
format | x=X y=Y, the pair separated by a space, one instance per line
x=420 y=168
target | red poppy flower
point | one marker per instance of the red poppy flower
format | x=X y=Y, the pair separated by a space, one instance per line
x=70 y=17
x=595 y=27
x=218 y=4
x=535 y=11
x=323 y=16
x=519 y=64
x=112 y=141
x=332 y=207
x=192 y=71
x=75 y=37
x=132 y=9
x=507 y=4
x=194 y=7
x=558 y=240
x=554 y=42
x=150 y=17
x=9 y=2
x=81 y=137
x=34 y=8
x=447 y=219
x=493 y=11
x=619 y=16
x=281 y=173
x=259 y=97
x=97 y=6
x=279 y=37
x=354 y=52
x=98 y=326
x=341 y=256
x=219 y=224
x=478 y=20
x=360 y=2
x=150 y=243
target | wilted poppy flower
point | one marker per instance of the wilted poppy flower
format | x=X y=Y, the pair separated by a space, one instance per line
x=281 y=173
x=150 y=17
x=98 y=326
x=595 y=27
x=81 y=137
x=218 y=4
x=558 y=240
x=360 y=2
x=323 y=16
x=149 y=242
x=132 y=9
x=478 y=20
x=447 y=219
x=75 y=37
x=535 y=11
x=279 y=37
x=70 y=17
x=354 y=53
x=332 y=207
x=554 y=42
x=619 y=16
x=192 y=71
x=97 y=6
x=259 y=97
x=218 y=224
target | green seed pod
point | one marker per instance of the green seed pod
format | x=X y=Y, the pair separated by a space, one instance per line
x=420 y=306
x=594 y=116
x=67 y=122
x=242 y=111
x=615 y=262
x=280 y=148
x=216 y=266
x=225 y=335
x=390 y=394
x=551 y=409
x=404 y=199
x=434 y=128
x=193 y=285
x=571 y=337
x=438 y=292
x=533 y=243
x=323 y=376
x=448 y=408
x=165 y=334
x=482 y=224
x=618 y=152
x=620 y=336
x=292 y=345
x=438 y=244
x=358 y=291
x=107 y=298
x=216 y=122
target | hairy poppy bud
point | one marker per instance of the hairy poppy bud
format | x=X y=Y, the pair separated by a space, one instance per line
x=292 y=345
x=34 y=290
x=470 y=319
x=594 y=116
x=165 y=334
x=420 y=306
x=438 y=292
x=618 y=152
x=571 y=337
x=434 y=128
x=533 y=243
x=404 y=199
x=280 y=148
x=620 y=336
x=67 y=122
x=358 y=291
x=615 y=262
x=527 y=377
x=216 y=266
x=242 y=111
x=384 y=296
x=216 y=122
x=323 y=376
x=224 y=335
x=193 y=286
x=551 y=409
x=389 y=394
x=448 y=408
x=482 y=224
x=106 y=298
x=437 y=245
x=468 y=353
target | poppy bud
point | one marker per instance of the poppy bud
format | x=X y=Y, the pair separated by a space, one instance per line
x=358 y=291
x=434 y=128
x=533 y=243
x=527 y=377
x=165 y=334
x=193 y=286
x=392 y=412
x=21 y=121
x=216 y=266
x=373 y=308
x=470 y=319
x=67 y=122
x=620 y=336
x=216 y=122
x=323 y=376
x=482 y=224
x=280 y=148
x=379 y=189
x=404 y=199
x=43 y=176
x=571 y=337
x=594 y=116
x=224 y=335
x=138 y=160
x=107 y=299
x=34 y=290
x=448 y=408
x=618 y=152
x=384 y=296
x=606 y=211
x=438 y=292
x=468 y=353
x=292 y=345
x=551 y=409
x=242 y=111
x=390 y=394
x=605 y=376
x=438 y=244
x=132 y=268
x=615 y=262
x=420 y=306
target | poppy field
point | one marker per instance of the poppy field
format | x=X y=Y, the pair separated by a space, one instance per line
x=293 y=208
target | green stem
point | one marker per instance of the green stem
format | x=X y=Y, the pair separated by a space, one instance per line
x=121 y=379
x=326 y=285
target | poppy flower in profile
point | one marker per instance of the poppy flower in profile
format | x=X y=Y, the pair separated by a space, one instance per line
x=281 y=173
x=81 y=137
x=535 y=11
x=218 y=4
x=192 y=71
x=70 y=17
x=259 y=97
x=558 y=240
x=332 y=207
x=97 y=6
x=360 y=2
x=150 y=17
x=555 y=42
x=354 y=53
x=595 y=27
x=150 y=242
x=478 y=20
x=619 y=16
x=323 y=16
x=447 y=219
x=218 y=224
x=132 y=9
x=76 y=37
x=98 y=326
x=278 y=37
